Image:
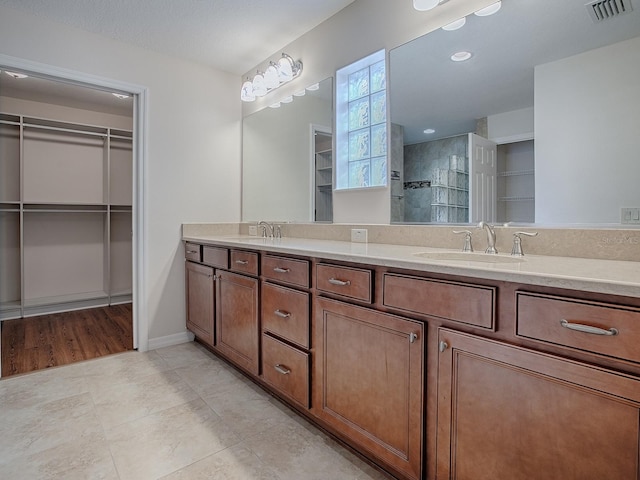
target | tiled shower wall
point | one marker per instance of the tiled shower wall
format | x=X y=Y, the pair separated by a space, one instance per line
x=420 y=163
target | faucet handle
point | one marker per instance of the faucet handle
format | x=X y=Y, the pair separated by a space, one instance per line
x=516 y=251
x=277 y=231
x=467 y=240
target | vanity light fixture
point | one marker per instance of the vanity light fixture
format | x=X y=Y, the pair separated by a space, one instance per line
x=461 y=56
x=424 y=5
x=16 y=74
x=121 y=96
x=490 y=10
x=275 y=105
x=285 y=70
x=288 y=99
x=299 y=93
x=455 y=25
x=313 y=87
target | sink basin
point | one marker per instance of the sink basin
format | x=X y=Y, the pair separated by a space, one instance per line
x=469 y=257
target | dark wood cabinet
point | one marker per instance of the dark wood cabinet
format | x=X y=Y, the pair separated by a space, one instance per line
x=200 y=300
x=506 y=412
x=237 y=323
x=368 y=381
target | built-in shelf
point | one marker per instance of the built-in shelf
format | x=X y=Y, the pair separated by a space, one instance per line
x=515 y=173
x=65 y=215
x=516 y=199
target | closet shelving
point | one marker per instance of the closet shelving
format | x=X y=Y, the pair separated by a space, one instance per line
x=515 y=185
x=323 y=177
x=65 y=215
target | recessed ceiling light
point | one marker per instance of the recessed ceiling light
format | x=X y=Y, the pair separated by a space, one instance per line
x=288 y=99
x=429 y=131
x=461 y=56
x=299 y=93
x=16 y=74
x=455 y=25
x=315 y=86
x=121 y=96
x=490 y=10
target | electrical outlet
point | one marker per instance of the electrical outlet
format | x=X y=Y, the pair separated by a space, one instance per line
x=253 y=230
x=630 y=215
x=359 y=235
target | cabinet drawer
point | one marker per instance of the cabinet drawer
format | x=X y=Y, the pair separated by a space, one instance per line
x=466 y=303
x=603 y=328
x=348 y=282
x=286 y=369
x=287 y=270
x=285 y=312
x=192 y=251
x=215 y=256
x=245 y=262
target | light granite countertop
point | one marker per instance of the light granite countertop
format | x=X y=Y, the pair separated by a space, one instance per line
x=591 y=275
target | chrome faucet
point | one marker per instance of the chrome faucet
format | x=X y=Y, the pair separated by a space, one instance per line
x=491 y=237
x=266 y=227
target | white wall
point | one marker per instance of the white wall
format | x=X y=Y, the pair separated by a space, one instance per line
x=193 y=170
x=513 y=126
x=360 y=29
x=582 y=98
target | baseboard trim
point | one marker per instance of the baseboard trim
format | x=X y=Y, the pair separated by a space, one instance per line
x=169 y=340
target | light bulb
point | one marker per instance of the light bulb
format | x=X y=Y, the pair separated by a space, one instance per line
x=424 y=5
x=259 y=86
x=285 y=68
x=455 y=25
x=490 y=10
x=271 y=77
x=246 y=93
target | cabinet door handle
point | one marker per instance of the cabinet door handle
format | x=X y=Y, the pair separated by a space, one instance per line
x=281 y=270
x=442 y=346
x=282 y=313
x=282 y=369
x=190 y=252
x=242 y=262
x=342 y=283
x=579 y=327
x=413 y=337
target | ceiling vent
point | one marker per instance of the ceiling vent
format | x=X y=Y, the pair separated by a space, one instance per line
x=603 y=9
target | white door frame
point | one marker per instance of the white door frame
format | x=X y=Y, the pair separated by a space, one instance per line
x=139 y=208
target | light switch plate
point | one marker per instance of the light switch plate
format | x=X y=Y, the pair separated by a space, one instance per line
x=359 y=235
x=630 y=215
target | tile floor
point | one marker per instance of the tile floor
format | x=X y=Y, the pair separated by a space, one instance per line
x=173 y=413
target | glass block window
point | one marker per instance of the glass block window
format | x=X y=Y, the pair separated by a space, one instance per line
x=361 y=123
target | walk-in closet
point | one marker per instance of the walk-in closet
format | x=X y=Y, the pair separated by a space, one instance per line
x=66 y=181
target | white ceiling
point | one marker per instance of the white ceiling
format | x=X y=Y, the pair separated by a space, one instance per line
x=229 y=35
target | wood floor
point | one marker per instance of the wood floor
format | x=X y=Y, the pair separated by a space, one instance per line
x=46 y=341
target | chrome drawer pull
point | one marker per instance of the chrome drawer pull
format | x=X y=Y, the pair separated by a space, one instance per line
x=282 y=313
x=342 y=283
x=190 y=252
x=242 y=262
x=588 y=329
x=281 y=270
x=281 y=369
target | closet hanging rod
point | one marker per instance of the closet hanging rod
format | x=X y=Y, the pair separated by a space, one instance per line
x=67 y=130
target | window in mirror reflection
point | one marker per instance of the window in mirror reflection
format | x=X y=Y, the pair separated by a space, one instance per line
x=361 y=123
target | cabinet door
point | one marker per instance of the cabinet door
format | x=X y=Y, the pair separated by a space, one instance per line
x=512 y=413
x=237 y=327
x=200 y=301
x=368 y=381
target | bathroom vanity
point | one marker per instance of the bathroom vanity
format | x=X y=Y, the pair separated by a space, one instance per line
x=431 y=367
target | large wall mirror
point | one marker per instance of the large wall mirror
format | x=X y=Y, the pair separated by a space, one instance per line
x=287 y=159
x=555 y=90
